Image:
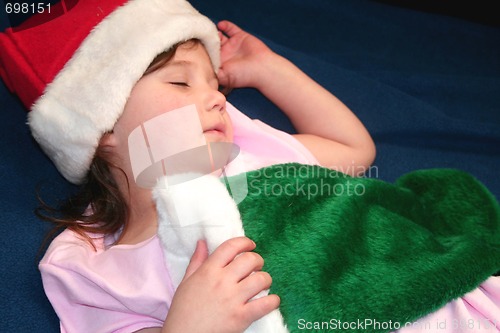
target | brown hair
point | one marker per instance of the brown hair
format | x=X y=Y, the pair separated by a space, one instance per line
x=99 y=206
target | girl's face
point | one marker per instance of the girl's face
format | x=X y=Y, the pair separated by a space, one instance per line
x=187 y=79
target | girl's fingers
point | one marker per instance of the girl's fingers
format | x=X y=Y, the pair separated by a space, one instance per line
x=258 y=308
x=223 y=38
x=254 y=284
x=244 y=264
x=229 y=28
x=227 y=251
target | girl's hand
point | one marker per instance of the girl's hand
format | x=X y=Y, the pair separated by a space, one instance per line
x=242 y=55
x=215 y=292
x=325 y=125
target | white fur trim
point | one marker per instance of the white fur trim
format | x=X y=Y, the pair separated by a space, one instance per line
x=88 y=96
x=201 y=209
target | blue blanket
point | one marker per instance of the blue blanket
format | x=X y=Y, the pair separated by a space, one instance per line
x=426 y=85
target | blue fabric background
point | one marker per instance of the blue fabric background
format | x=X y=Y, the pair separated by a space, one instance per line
x=427 y=86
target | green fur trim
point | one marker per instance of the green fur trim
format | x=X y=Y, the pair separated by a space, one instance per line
x=345 y=251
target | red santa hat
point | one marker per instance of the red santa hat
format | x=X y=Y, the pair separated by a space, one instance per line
x=75 y=72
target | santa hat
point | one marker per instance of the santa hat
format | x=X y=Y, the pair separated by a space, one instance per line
x=76 y=71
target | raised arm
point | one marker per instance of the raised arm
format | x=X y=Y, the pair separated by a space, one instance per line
x=326 y=126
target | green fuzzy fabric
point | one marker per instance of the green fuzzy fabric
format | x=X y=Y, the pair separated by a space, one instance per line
x=368 y=255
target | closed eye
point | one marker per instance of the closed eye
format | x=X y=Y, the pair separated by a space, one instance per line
x=182 y=84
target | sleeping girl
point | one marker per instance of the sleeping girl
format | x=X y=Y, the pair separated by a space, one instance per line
x=137 y=60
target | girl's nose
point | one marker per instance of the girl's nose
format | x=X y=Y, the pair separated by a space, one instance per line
x=215 y=100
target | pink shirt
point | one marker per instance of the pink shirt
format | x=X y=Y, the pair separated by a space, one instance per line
x=119 y=288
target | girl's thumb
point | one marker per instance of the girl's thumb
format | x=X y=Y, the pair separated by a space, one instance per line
x=197 y=259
